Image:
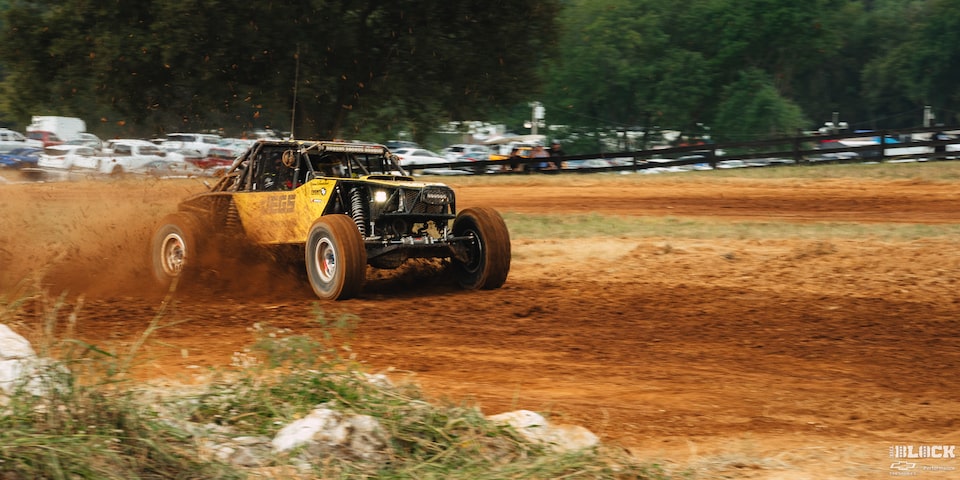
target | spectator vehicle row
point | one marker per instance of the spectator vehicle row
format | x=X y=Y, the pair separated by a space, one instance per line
x=177 y=155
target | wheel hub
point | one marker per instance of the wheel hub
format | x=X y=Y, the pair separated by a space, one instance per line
x=173 y=254
x=326 y=260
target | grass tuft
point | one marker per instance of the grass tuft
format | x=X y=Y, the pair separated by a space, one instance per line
x=92 y=421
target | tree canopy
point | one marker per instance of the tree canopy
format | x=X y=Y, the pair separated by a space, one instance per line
x=753 y=68
x=328 y=67
x=371 y=68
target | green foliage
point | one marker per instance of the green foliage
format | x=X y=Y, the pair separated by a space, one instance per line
x=75 y=419
x=918 y=59
x=620 y=67
x=87 y=432
x=164 y=65
x=650 y=65
x=371 y=70
x=752 y=107
x=662 y=65
x=295 y=374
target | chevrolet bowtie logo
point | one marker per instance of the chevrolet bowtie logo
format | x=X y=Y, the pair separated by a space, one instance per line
x=903 y=466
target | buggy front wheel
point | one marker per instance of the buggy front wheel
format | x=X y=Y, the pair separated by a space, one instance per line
x=336 y=258
x=487 y=260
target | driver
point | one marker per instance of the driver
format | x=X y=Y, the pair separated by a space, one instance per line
x=331 y=165
x=277 y=175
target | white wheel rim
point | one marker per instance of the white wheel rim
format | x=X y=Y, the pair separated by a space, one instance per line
x=326 y=259
x=173 y=253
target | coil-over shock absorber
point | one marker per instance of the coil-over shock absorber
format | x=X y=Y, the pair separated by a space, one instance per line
x=358 y=210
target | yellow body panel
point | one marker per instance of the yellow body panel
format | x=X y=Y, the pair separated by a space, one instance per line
x=283 y=216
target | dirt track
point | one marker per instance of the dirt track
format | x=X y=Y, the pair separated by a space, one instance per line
x=747 y=357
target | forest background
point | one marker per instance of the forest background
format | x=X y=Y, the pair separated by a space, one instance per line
x=386 y=69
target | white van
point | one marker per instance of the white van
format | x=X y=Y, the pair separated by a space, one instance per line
x=66 y=128
x=200 y=142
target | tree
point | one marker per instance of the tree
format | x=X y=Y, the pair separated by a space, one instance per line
x=339 y=65
x=918 y=62
x=619 y=68
x=752 y=107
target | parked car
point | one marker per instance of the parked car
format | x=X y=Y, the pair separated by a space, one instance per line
x=11 y=140
x=218 y=158
x=453 y=152
x=66 y=157
x=235 y=145
x=732 y=164
x=472 y=157
x=397 y=144
x=173 y=169
x=48 y=138
x=124 y=156
x=87 y=139
x=201 y=142
x=416 y=158
x=20 y=158
x=592 y=163
x=183 y=155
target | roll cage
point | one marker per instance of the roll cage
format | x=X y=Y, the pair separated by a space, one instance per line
x=285 y=165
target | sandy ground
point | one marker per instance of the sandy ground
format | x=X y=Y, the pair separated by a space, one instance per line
x=746 y=357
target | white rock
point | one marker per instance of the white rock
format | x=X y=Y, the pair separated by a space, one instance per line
x=519 y=419
x=13 y=345
x=300 y=432
x=325 y=431
x=15 y=355
x=20 y=366
x=536 y=429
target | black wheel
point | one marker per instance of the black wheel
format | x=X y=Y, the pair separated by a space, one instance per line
x=336 y=258
x=174 y=247
x=488 y=254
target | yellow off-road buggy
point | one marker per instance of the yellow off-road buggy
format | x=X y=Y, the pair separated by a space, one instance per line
x=342 y=206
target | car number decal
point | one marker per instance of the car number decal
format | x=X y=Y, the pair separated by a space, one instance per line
x=278 y=204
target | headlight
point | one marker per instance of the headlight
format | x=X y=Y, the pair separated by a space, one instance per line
x=380 y=196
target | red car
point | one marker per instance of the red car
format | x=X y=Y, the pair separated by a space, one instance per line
x=48 y=138
x=217 y=158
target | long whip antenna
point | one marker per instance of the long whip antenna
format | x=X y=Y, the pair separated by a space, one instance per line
x=296 y=81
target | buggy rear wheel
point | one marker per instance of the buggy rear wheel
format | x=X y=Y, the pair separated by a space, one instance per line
x=174 y=249
x=336 y=258
x=488 y=253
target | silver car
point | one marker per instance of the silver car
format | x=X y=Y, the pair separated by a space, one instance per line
x=11 y=140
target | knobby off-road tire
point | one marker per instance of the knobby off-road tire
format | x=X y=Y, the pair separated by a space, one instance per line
x=175 y=248
x=336 y=258
x=488 y=260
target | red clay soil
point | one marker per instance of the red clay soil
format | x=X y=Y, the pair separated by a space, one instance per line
x=748 y=357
